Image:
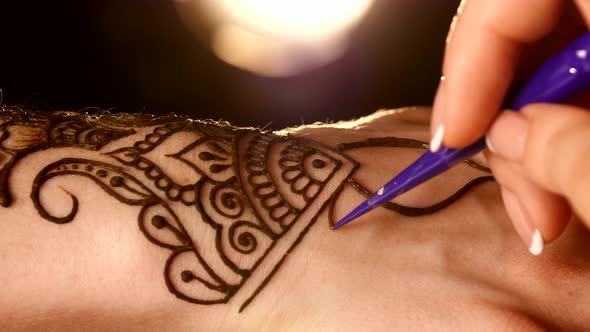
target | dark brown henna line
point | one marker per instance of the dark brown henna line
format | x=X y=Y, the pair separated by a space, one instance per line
x=223 y=288
x=337 y=193
x=385 y=142
x=242 y=236
x=411 y=143
x=207 y=268
x=131 y=190
x=217 y=148
x=218 y=234
x=227 y=262
x=263 y=147
x=250 y=203
x=397 y=142
x=286 y=163
x=132 y=157
x=5 y=197
x=265 y=282
x=189 y=246
x=226 y=200
x=188 y=276
x=208 y=156
x=354 y=166
x=420 y=211
x=66 y=129
x=136 y=159
x=84 y=135
x=262 y=284
x=102 y=176
x=411 y=211
x=180 y=234
x=193 y=145
x=151 y=171
x=477 y=166
x=160 y=133
x=188 y=148
x=60 y=168
x=249 y=236
x=218 y=240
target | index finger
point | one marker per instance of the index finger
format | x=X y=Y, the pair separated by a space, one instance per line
x=480 y=61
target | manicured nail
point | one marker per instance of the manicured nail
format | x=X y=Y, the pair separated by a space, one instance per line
x=489 y=145
x=537 y=243
x=438 y=109
x=507 y=136
x=529 y=234
x=436 y=141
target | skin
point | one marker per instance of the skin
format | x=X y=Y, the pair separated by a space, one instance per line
x=462 y=268
x=539 y=156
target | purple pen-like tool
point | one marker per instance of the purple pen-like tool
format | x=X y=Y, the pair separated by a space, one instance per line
x=560 y=78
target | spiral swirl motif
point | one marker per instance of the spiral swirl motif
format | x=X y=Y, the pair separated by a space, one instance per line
x=227 y=200
x=243 y=236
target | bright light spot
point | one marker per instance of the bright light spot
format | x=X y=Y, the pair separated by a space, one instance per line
x=280 y=37
x=269 y=56
x=573 y=70
x=242 y=48
x=296 y=19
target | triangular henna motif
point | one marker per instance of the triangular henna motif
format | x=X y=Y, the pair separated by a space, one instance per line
x=246 y=219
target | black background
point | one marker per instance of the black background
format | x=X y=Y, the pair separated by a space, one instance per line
x=137 y=56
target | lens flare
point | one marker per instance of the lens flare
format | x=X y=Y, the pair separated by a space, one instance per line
x=277 y=37
x=298 y=20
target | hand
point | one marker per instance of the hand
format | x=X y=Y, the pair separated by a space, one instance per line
x=538 y=156
x=461 y=268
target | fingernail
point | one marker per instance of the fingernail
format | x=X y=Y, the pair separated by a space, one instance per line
x=436 y=141
x=524 y=226
x=489 y=145
x=438 y=107
x=537 y=243
x=507 y=135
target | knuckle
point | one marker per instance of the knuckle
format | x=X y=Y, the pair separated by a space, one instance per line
x=579 y=189
x=566 y=163
x=526 y=22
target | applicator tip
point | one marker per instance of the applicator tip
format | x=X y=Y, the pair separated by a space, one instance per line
x=348 y=218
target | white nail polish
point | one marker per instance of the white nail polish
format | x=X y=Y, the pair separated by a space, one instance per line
x=437 y=139
x=537 y=243
x=489 y=145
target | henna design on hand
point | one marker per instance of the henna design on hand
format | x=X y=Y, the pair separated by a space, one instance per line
x=24 y=132
x=254 y=192
x=396 y=142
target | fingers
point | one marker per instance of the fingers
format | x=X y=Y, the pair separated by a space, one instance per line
x=584 y=8
x=480 y=59
x=557 y=152
x=538 y=215
x=550 y=144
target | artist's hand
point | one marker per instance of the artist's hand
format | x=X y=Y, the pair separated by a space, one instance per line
x=540 y=155
x=459 y=269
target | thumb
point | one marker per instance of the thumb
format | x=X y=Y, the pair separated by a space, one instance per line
x=552 y=144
